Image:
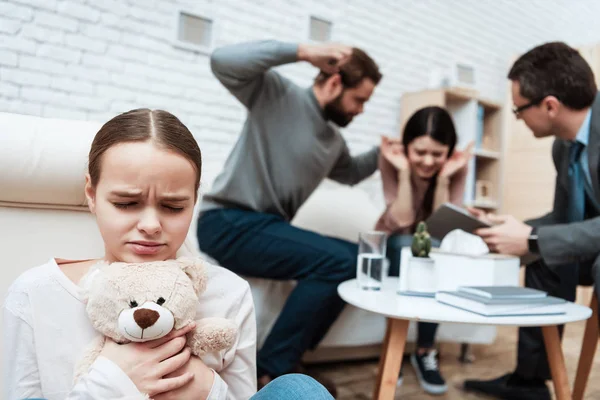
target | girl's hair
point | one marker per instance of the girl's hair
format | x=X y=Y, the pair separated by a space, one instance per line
x=141 y=125
x=436 y=123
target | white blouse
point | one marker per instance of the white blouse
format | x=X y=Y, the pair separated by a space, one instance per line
x=46 y=331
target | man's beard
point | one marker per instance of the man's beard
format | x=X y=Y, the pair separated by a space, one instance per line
x=335 y=113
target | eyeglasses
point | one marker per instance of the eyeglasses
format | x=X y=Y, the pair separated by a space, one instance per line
x=516 y=110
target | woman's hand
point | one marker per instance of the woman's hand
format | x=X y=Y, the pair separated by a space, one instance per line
x=457 y=161
x=198 y=388
x=393 y=151
x=149 y=364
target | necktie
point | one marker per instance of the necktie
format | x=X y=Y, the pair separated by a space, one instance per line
x=576 y=209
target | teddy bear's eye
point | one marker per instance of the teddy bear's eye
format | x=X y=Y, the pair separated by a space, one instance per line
x=133 y=303
x=160 y=301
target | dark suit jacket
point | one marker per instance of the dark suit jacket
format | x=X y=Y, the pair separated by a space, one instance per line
x=560 y=242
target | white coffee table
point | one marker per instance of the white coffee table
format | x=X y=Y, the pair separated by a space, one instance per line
x=399 y=310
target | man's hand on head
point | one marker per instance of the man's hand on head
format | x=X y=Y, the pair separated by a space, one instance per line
x=327 y=57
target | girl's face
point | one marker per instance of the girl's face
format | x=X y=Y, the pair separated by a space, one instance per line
x=426 y=156
x=143 y=202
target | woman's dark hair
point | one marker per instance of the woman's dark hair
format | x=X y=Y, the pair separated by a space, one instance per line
x=141 y=125
x=555 y=69
x=436 y=123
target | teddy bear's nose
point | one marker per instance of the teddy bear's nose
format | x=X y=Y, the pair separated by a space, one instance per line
x=145 y=317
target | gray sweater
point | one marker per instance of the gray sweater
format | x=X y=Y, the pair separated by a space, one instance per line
x=286 y=147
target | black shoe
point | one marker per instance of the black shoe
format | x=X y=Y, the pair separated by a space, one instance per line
x=428 y=373
x=510 y=387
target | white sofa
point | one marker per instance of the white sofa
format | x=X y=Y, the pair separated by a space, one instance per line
x=43 y=214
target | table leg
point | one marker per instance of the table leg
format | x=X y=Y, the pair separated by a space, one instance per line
x=557 y=362
x=391 y=359
x=587 y=353
x=465 y=357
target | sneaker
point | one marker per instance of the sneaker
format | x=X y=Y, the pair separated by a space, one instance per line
x=428 y=373
x=510 y=386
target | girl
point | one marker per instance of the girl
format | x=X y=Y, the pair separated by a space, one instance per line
x=419 y=174
x=142 y=183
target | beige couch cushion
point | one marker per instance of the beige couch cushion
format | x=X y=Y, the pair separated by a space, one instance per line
x=43 y=161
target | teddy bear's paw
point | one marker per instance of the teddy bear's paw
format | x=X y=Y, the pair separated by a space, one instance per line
x=212 y=334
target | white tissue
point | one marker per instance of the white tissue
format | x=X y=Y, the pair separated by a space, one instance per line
x=461 y=242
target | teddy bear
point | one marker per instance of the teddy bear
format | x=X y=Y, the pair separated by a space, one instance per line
x=138 y=302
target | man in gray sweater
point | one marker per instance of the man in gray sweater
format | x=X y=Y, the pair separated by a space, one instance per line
x=289 y=144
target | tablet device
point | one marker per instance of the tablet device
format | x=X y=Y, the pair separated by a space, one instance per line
x=449 y=217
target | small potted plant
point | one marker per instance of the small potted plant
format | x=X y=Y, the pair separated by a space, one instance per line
x=421 y=243
x=421 y=268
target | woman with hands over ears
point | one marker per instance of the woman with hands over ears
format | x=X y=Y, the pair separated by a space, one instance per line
x=420 y=172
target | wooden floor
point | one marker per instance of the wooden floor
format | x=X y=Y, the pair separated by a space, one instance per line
x=355 y=380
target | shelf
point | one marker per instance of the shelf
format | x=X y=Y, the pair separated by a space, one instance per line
x=460 y=95
x=490 y=105
x=463 y=94
x=487 y=154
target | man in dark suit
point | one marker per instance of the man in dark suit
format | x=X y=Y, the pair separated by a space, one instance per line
x=554 y=93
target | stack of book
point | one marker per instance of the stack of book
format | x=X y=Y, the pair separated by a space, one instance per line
x=496 y=301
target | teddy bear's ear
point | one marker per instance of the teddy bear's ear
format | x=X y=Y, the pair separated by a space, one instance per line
x=195 y=270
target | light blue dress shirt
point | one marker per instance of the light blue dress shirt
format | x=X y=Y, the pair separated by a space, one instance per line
x=583 y=137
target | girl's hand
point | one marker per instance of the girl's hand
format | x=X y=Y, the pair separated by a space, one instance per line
x=149 y=364
x=457 y=161
x=198 y=388
x=393 y=151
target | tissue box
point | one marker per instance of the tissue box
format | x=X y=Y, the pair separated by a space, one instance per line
x=453 y=270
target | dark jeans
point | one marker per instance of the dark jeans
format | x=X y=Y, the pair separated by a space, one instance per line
x=263 y=245
x=532 y=360
x=426 y=330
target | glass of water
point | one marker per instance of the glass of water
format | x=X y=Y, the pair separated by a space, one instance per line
x=370 y=268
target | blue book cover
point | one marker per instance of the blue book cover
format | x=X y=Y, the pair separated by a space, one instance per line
x=480 y=117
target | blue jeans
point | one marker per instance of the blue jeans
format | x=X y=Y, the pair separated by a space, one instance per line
x=289 y=387
x=426 y=330
x=293 y=387
x=264 y=245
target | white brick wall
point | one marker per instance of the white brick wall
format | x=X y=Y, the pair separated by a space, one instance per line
x=92 y=59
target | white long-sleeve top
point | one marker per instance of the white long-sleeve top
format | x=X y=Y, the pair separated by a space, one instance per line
x=46 y=329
